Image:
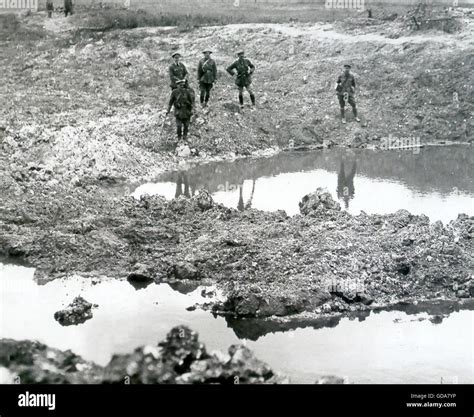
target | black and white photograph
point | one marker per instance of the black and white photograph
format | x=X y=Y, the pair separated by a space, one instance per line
x=218 y=200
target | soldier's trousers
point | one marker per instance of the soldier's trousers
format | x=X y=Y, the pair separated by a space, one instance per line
x=241 y=94
x=205 y=92
x=350 y=100
x=182 y=127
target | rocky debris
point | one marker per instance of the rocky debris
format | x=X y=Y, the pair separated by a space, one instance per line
x=184 y=270
x=140 y=277
x=183 y=151
x=254 y=301
x=204 y=200
x=329 y=379
x=35 y=363
x=318 y=202
x=78 y=312
x=265 y=263
x=182 y=359
x=210 y=293
x=184 y=287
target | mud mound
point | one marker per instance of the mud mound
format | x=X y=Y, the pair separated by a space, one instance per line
x=180 y=359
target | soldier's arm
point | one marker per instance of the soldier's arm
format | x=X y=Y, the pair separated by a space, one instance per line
x=186 y=73
x=230 y=69
x=214 y=70
x=200 y=72
x=353 y=82
x=173 y=77
x=171 y=102
x=251 y=66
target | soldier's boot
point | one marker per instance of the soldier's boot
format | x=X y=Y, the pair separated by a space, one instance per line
x=343 y=117
x=241 y=100
x=354 y=110
x=252 y=97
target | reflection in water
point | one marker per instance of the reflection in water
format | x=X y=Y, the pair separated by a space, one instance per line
x=345 y=183
x=240 y=205
x=436 y=182
x=182 y=179
x=388 y=347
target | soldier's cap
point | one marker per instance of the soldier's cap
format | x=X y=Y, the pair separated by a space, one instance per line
x=347 y=66
x=174 y=54
x=207 y=50
x=240 y=53
x=181 y=82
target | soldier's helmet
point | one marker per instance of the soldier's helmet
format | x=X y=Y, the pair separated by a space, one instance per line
x=347 y=66
x=240 y=53
x=207 y=50
x=176 y=54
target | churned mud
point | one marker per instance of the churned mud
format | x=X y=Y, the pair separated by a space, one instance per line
x=179 y=359
x=84 y=112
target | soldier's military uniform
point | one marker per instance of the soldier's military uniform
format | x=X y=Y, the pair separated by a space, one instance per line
x=345 y=91
x=49 y=7
x=177 y=71
x=207 y=75
x=182 y=98
x=244 y=70
x=67 y=7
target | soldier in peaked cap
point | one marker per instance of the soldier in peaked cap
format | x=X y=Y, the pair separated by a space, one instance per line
x=345 y=89
x=177 y=70
x=244 y=70
x=207 y=75
x=182 y=98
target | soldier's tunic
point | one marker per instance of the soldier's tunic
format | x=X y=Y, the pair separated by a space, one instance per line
x=49 y=7
x=67 y=7
x=182 y=98
x=207 y=75
x=346 y=88
x=177 y=72
x=244 y=70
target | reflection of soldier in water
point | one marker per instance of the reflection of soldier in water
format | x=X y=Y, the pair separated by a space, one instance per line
x=240 y=205
x=183 y=179
x=345 y=184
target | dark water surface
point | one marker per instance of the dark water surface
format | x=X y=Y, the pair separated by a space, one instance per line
x=387 y=347
x=436 y=181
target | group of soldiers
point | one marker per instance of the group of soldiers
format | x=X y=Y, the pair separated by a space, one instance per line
x=183 y=96
x=50 y=7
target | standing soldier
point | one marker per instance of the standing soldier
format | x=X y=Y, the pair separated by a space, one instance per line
x=244 y=69
x=345 y=92
x=67 y=7
x=182 y=98
x=177 y=70
x=207 y=75
x=49 y=7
